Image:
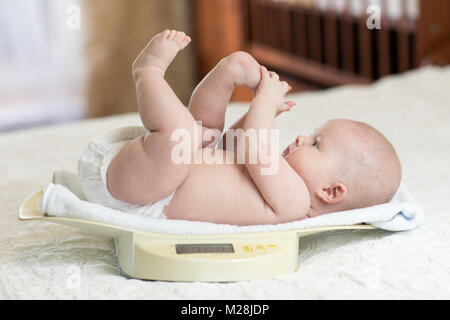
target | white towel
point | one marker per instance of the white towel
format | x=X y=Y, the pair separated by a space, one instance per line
x=401 y=213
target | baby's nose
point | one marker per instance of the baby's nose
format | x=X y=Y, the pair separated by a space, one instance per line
x=300 y=140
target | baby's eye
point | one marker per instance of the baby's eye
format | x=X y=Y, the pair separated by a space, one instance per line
x=316 y=144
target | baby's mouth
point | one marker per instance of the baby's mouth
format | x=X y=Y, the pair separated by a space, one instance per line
x=285 y=152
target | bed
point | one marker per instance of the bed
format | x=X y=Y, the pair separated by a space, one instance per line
x=48 y=261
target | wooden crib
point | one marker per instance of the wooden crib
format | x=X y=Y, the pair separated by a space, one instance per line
x=317 y=44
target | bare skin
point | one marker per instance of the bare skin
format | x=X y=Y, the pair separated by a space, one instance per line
x=143 y=172
x=306 y=184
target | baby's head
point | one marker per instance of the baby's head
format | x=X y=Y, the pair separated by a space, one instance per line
x=345 y=165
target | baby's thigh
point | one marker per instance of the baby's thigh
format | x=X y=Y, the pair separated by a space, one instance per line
x=144 y=172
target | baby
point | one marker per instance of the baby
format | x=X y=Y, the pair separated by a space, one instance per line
x=343 y=165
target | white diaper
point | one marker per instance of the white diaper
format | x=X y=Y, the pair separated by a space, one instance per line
x=94 y=163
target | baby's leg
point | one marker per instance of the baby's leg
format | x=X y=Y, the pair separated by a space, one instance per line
x=210 y=98
x=143 y=171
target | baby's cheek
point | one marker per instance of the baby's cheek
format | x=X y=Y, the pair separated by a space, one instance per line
x=299 y=162
x=306 y=165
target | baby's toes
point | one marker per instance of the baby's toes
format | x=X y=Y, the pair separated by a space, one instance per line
x=172 y=35
x=181 y=39
x=165 y=34
x=184 y=42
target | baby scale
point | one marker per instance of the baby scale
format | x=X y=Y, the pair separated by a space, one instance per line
x=174 y=257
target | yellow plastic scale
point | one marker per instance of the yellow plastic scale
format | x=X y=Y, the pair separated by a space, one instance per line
x=169 y=257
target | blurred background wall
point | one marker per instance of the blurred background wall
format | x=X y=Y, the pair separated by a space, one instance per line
x=66 y=60
x=116 y=31
x=42 y=65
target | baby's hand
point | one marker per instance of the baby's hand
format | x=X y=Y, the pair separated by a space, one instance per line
x=273 y=91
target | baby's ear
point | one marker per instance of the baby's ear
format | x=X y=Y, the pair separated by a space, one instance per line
x=333 y=194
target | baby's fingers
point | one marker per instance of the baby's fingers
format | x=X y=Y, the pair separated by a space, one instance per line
x=285 y=107
x=274 y=75
x=264 y=72
x=286 y=87
x=290 y=104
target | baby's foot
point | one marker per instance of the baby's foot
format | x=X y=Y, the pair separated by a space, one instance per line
x=160 y=51
x=246 y=70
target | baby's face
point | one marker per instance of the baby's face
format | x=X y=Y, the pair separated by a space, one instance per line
x=346 y=153
x=315 y=158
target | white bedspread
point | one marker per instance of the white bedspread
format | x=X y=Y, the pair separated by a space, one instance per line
x=48 y=261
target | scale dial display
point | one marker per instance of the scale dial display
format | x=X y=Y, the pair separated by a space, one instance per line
x=204 y=248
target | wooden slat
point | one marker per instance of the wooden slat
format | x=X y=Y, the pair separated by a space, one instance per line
x=256 y=20
x=414 y=57
x=315 y=35
x=404 y=54
x=245 y=8
x=300 y=34
x=383 y=51
x=365 y=52
x=265 y=26
x=331 y=49
x=285 y=28
x=275 y=24
x=271 y=25
x=348 y=46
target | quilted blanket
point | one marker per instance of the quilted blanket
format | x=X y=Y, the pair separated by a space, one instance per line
x=48 y=261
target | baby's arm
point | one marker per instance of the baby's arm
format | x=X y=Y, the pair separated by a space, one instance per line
x=284 y=191
x=239 y=124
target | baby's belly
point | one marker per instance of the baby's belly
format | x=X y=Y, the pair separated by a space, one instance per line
x=219 y=193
